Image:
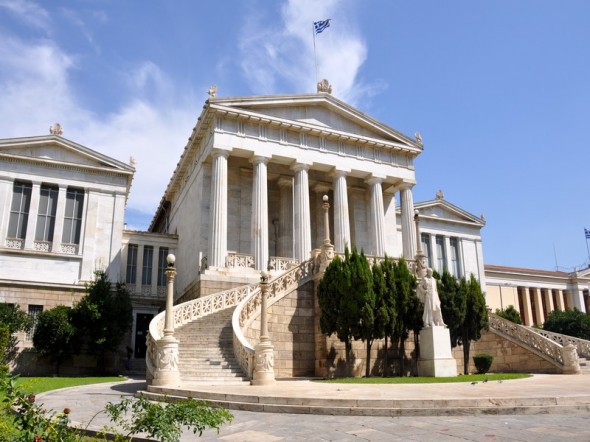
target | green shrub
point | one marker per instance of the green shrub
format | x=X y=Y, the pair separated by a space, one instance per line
x=571 y=322
x=483 y=362
x=510 y=313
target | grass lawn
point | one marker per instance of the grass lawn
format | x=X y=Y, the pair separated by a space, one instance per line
x=41 y=384
x=429 y=380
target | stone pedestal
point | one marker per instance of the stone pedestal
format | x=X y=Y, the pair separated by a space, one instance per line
x=264 y=373
x=167 y=372
x=436 y=359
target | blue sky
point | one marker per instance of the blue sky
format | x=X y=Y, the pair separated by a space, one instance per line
x=499 y=90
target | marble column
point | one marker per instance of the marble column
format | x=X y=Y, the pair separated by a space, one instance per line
x=286 y=217
x=259 y=232
x=528 y=311
x=341 y=214
x=540 y=315
x=218 y=210
x=301 y=213
x=377 y=215
x=408 y=227
x=549 y=300
x=560 y=304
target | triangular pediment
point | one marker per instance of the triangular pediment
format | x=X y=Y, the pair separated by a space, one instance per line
x=440 y=209
x=319 y=110
x=56 y=149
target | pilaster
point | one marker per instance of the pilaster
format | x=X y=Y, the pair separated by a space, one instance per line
x=60 y=213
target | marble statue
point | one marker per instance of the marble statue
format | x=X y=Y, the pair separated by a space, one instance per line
x=428 y=294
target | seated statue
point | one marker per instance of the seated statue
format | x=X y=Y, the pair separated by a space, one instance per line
x=428 y=294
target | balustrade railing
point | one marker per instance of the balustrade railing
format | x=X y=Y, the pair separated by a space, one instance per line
x=582 y=346
x=249 y=309
x=190 y=311
x=545 y=347
x=239 y=260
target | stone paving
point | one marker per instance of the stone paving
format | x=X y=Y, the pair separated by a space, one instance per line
x=86 y=403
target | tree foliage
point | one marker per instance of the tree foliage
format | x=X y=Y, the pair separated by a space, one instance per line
x=571 y=322
x=509 y=313
x=13 y=320
x=102 y=317
x=406 y=305
x=464 y=311
x=54 y=334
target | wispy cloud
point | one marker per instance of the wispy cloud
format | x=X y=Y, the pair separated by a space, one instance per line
x=27 y=12
x=284 y=53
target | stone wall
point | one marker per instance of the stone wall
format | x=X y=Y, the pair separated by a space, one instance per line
x=509 y=357
x=291 y=330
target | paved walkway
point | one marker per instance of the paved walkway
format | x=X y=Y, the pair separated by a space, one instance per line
x=87 y=402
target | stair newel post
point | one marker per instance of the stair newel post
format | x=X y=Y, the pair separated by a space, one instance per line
x=167 y=371
x=264 y=351
x=327 y=253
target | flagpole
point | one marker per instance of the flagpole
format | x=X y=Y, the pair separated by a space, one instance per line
x=587 y=249
x=315 y=58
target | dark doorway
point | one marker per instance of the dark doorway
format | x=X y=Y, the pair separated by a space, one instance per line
x=142 y=325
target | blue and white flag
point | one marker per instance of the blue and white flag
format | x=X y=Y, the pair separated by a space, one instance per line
x=587 y=232
x=319 y=26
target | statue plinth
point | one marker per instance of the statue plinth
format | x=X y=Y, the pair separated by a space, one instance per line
x=264 y=372
x=167 y=372
x=436 y=359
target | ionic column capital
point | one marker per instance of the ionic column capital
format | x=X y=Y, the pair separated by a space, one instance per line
x=337 y=173
x=259 y=159
x=285 y=181
x=219 y=153
x=298 y=167
x=374 y=180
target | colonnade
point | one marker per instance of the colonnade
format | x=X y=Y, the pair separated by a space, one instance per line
x=536 y=303
x=301 y=214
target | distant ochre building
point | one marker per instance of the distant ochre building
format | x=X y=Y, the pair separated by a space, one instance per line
x=246 y=195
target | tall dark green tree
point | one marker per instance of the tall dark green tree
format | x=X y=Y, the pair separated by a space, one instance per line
x=386 y=304
x=54 y=334
x=405 y=284
x=464 y=311
x=102 y=317
x=361 y=281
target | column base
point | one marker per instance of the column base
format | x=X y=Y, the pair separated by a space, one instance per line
x=167 y=373
x=264 y=373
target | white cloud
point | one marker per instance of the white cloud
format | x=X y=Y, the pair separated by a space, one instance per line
x=28 y=12
x=286 y=50
x=36 y=92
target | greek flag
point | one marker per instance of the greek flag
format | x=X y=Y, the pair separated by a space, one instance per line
x=319 y=26
x=587 y=232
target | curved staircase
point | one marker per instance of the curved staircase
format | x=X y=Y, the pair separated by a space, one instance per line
x=206 y=349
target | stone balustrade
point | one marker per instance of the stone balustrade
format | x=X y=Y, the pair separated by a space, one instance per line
x=559 y=355
x=582 y=346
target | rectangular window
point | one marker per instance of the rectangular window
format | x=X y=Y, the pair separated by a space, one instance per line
x=73 y=216
x=19 y=210
x=131 y=264
x=34 y=311
x=441 y=257
x=455 y=258
x=46 y=214
x=148 y=257
x=425 y=237
x=162 y=263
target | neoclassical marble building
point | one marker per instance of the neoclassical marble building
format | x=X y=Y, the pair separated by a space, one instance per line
x=247 y=192
x=246 y=196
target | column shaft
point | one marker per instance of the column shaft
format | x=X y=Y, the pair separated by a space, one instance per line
x=286 y=218
x=302 y=221
x=538 y=306
x=59 y=219
x=408 y=227
x=218 y=210
x=33 y=213
x=377 y=216
x=260 y=213
x=341 y=216
x=528 y=311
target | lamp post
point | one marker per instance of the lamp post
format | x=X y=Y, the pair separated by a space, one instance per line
x=167 y=372
x=264 y=351
x=327 y=253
